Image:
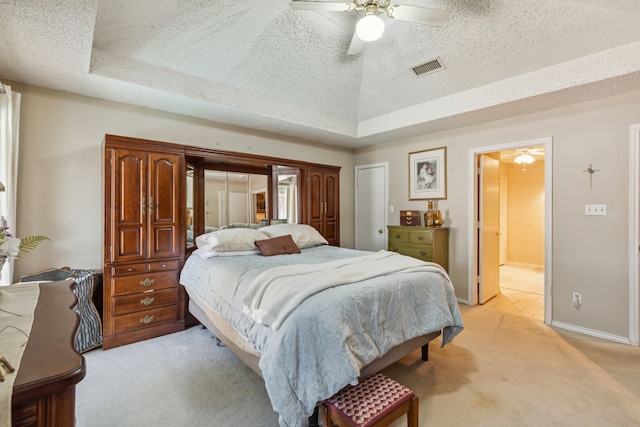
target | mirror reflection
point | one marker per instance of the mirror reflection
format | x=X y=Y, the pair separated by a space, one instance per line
x=190 y=204
x=287 y=208
x=233 y=199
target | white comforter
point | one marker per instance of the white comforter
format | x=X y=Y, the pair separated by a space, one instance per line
x=274 y=293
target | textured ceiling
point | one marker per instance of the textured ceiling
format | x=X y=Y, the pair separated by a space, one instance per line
x=262 y=65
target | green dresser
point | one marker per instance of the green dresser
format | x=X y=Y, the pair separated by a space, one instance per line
x=427 y=244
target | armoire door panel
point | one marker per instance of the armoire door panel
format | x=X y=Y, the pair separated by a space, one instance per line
x=331 y=199
x=316 y=201
x=332 y=208
x=130 y=245
x=164 y=241
x=129 y=200
x=164 y=179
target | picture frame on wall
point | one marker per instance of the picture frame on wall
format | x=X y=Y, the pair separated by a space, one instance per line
x=428 y=174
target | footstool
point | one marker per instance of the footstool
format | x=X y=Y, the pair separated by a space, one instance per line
x=377 y=401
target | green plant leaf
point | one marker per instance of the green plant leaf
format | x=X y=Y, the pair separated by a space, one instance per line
x=27 y=244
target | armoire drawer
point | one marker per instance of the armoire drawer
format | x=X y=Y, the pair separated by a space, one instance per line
x=143 y=282
x=145 y=267
x=144 y=301
x=144 y=319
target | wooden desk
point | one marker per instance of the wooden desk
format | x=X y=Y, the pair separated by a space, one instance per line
x=44 y=392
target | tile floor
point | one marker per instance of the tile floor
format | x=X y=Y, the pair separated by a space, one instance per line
x=521 y=292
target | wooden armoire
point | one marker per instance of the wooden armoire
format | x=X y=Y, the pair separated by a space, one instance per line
x=144 y=240
x=323 y=203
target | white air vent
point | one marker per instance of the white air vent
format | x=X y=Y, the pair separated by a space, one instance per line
x=428 y=67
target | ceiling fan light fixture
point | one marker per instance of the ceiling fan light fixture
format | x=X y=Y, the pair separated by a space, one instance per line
x=524 y=158
x=370 y=28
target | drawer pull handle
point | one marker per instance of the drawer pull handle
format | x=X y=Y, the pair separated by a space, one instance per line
x=423 y=253
x=147 y=282
x=146 y=319
x=164 y=265
x=420 y=237
x=147 y=301
x=130 y=270
x=397 y=236
x=394 y=249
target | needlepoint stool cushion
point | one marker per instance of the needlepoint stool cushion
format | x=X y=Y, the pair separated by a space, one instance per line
x=371 y=400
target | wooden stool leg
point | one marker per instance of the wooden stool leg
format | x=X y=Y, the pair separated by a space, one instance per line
x=326 y=418
x=412 y=415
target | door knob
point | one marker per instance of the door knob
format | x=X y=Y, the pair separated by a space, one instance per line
x=380 y=231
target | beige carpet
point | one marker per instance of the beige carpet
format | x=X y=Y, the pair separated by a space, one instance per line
x=502 y=370
x=507 y=370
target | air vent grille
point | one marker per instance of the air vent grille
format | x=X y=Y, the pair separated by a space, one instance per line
x=428 y=67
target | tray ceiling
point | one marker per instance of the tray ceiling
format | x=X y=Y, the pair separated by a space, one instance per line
x=262 y=65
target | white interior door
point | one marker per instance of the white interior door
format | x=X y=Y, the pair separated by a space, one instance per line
x=371 y=207
x=489 y=228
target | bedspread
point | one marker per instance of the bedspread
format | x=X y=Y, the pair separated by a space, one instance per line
x=274 y=293
x=331 y=335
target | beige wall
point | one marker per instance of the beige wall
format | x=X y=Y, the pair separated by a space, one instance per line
x=60 y=185
x=60 y=168
x=525 y=214
x=589 y=252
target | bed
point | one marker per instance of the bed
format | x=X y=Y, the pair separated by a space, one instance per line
x=290 y=313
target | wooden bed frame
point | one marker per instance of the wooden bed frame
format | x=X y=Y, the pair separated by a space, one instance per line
x=216 y=323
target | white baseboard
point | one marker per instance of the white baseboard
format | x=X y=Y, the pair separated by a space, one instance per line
x=463 y=301
x=591 y=332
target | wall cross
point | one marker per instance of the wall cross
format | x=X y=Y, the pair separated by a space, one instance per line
x=591 y=171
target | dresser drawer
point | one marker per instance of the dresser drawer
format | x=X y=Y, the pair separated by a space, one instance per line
x=144 y=282
x=399 y=235
x=423 y=252
x=424 y=237
x=144 y=301
x=144 y=319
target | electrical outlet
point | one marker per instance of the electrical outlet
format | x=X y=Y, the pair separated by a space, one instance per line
x=600 y=210
x=577 y=299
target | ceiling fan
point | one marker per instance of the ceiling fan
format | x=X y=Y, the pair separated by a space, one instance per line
x=370 y=27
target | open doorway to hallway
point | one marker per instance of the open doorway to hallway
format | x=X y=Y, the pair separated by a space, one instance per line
x=521 y=232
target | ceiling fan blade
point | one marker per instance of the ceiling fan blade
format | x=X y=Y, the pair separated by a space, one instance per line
x=357 y=45
x=321 y=5
x=420 y=15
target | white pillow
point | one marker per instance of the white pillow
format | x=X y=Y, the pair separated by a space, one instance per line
x=230 y=240
x=304 y=235
x=206 y=255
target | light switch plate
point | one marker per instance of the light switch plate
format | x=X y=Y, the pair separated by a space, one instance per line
x=600 y=210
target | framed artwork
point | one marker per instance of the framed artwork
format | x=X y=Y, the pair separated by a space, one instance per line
x=428 y=174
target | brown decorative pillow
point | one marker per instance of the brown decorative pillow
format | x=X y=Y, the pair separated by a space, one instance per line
x=278 y=246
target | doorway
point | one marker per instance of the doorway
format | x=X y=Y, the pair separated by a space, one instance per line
x=510 y=247
x=371 y=194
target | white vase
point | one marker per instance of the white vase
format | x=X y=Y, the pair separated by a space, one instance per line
x=3 y=259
